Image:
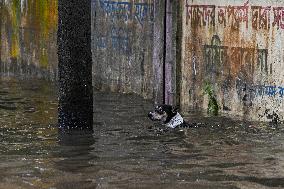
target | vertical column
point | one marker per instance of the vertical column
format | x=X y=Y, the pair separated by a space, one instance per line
x=169 y=66
x=75 y=65
x=1 y=22
x=178 y=33
x=158 y=52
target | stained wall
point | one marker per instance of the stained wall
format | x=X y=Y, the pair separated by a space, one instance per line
x=237 y=48
x=234 y=46
x=128 y=46
x=28 y=38
x=127 y=43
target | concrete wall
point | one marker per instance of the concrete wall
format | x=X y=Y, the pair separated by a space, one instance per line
x=128 y=42
x=237 y=48
x=128 y=45
x=28 y=38
x=234 y=46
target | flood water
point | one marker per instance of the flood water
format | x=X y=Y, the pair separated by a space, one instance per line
x=127 y=150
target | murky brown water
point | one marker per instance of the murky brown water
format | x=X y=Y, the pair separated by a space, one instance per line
x=127 y=150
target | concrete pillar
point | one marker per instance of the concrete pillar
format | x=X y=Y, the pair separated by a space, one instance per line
x=1 y=22
x=169 y=65
x=75 y=65
x=158 y=51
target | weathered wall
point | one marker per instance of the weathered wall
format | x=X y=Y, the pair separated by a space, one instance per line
x=28 y=38
x=236 y=47
x=128 y=45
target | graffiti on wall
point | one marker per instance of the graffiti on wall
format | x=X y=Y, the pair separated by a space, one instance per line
x=230 y=60
x=231 y=66
x=259 y=90
x=269 y=90
x=215 y=56
x=247 y=91
x=123 y=17
x=118 y=39
x=128 y=11
x=262 y=17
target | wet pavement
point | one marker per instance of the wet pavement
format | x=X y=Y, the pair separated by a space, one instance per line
x=127 y=150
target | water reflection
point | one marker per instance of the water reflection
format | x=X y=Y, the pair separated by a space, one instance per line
x=75 y=155
x=75 y=150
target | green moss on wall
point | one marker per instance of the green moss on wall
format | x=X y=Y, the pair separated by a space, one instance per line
x=213 y=107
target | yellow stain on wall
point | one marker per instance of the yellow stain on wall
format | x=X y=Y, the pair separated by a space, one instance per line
x=39 y=20
x=53 y=15
x=15 y=20
x=16 y=12
x=43 y=8
x=43 y=58
x=15 y=48
x=46 y=16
